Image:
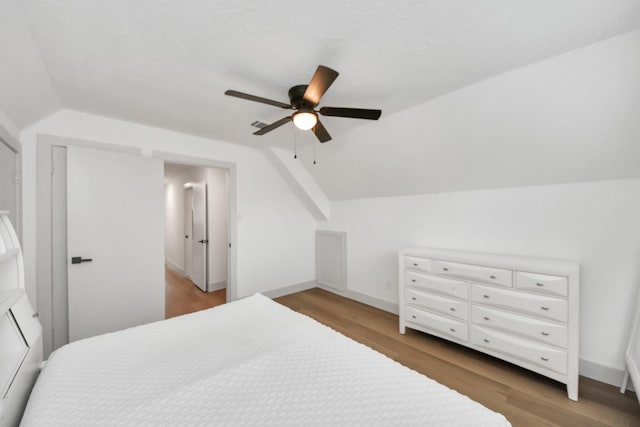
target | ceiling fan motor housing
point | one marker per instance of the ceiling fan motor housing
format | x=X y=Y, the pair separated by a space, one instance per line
x=296 y=95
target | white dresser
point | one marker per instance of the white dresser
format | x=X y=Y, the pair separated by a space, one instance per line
x=522 y=310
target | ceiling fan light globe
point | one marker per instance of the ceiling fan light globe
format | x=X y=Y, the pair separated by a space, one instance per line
x=305 y=120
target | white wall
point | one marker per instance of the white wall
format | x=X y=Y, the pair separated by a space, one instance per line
x=595 y=223
x=275 y=232
x=174 y=224
x=217 y=217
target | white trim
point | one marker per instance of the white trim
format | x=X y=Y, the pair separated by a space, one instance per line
x=216 y=286
x=63 y=141
x=280 y=292
x=602 y=373
x=631 y=358
x=175 y=267
x=232 y=183
x=390 y=307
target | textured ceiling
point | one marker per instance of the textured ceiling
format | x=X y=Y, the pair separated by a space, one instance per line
x=167 y=63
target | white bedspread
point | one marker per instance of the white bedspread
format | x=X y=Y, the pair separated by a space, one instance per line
x=251 y=362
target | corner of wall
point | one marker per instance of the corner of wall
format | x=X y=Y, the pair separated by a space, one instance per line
x=300 y=181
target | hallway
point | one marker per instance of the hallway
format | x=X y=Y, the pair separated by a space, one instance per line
x=183 y=297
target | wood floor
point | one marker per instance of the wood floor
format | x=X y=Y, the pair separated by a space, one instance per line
x=526 y=399
x=182 y=296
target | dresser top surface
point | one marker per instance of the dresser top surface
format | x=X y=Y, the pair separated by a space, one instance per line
x=512 y=262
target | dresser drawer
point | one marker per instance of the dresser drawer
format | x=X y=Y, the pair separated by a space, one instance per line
x=540 y=330
x=437 y=323
x=448 y=306
x=538 y=354
x=441 y=285
x=542 y=283
x=538 y=305
x=496 y=276
x=417 y=263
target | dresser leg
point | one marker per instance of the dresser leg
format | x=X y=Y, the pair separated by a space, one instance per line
x=572 y=390
x=403 y=328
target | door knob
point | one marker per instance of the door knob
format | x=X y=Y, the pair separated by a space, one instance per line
x=80 y=260
x=203 y=241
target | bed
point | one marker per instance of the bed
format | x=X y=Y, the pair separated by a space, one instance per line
x=250 y=362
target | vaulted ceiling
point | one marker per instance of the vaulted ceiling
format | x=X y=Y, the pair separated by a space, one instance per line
x=474 y=94
x=167 y=63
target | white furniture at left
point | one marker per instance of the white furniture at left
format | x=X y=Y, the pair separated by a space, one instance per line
x=20 y=330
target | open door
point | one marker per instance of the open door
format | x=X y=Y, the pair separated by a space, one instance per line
x=115 y=240
x=200 y=239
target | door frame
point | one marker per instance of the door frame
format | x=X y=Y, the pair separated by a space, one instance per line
x=188 y=221
x=232 y=266
x=44 y=145
x=44 y=232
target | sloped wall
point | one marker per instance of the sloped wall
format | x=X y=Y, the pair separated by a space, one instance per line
x=26 y=93
x=571 y=118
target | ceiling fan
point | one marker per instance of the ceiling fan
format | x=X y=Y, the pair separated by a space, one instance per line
x=304 y=99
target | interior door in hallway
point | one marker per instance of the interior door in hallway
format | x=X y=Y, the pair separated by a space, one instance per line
x=115 y=237
x=200 y=240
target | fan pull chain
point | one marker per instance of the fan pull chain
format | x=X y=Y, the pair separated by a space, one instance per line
x=314 y=153
x=295 y=144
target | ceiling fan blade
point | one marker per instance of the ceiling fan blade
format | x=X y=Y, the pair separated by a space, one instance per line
x=273 y=126
x=354 y=113
x=257 y=99
x=320 y=82
x=321 y=132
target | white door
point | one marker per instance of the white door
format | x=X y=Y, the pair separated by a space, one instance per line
x=200 y=239
x=115 y=237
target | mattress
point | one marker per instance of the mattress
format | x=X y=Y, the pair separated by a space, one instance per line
x=250 y=362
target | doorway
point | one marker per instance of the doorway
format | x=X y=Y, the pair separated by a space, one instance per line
x=53 y=258
x=196 y=237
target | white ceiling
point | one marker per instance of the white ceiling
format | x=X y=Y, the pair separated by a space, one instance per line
x=167 y=63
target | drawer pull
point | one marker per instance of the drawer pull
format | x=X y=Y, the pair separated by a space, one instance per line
x=413 y=280
x=452 y=309
x=544 y=308
x=485 y=296
x=445 y=268
x=546 y=334
x=486 y=340
x=413 y=298
x=540 y=284
x=413 y=315
x=544 y=359
x=452 y=330
x=493 y=277
x=415 y=264
x=486 y=318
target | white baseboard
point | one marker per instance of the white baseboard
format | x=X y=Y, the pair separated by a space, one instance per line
x=390 y=307
x=603 y=373
x=280 y=292
x=175 y=267
x=216 y=286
